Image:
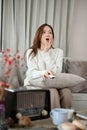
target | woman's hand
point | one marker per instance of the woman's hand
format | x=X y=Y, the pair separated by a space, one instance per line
x=46 y=45
x=47 y=73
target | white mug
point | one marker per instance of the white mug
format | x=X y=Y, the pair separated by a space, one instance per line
x=70 y=114
x=59 y=115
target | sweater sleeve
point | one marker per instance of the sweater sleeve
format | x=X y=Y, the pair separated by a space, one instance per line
x=32 y=68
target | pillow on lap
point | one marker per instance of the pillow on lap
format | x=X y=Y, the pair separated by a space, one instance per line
x=80 y=88
x=61 y=80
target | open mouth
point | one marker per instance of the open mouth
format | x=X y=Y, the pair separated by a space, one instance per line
x=47 y=39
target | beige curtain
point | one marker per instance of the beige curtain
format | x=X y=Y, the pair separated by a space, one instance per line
x=19 y=20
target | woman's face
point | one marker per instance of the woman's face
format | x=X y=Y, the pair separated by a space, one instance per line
x=47 y=36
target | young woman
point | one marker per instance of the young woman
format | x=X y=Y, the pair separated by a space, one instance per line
x=44 y=60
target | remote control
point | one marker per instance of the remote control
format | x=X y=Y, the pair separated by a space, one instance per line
x=51 y=76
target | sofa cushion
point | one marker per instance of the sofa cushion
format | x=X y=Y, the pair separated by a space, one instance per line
x=77 y=67
x=80 y=88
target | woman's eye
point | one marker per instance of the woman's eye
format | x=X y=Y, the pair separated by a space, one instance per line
x=50 y=32
x=47 y=32
x=44 y=32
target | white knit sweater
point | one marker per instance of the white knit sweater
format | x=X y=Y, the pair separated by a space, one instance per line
x=43 y=61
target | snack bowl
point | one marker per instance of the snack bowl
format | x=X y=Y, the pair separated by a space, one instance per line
x=67 y=126
x=75 y=125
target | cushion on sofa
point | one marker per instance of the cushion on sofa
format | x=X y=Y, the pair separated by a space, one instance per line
x=80 y=88
x=77 y=67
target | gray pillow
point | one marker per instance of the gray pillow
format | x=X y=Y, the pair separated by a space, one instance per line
x=80 y=88
x=76 y=67
x=61 y=80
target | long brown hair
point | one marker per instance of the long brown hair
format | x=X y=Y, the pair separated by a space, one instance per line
x=36 y=42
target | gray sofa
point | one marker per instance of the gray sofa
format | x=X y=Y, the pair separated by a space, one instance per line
x=79 y=92
x=73 y=66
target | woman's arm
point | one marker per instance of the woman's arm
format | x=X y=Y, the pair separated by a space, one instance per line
x=32 y=67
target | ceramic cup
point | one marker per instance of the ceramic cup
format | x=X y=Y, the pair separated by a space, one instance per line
x=59 y=115
x=70 y=114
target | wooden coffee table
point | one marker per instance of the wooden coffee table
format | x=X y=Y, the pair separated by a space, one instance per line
x=82 y=116
x=45 y=124
x=40 y=128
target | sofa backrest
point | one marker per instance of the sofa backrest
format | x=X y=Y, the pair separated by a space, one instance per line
x=77 y=67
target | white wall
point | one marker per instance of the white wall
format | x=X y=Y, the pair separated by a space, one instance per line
x=78 y=48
